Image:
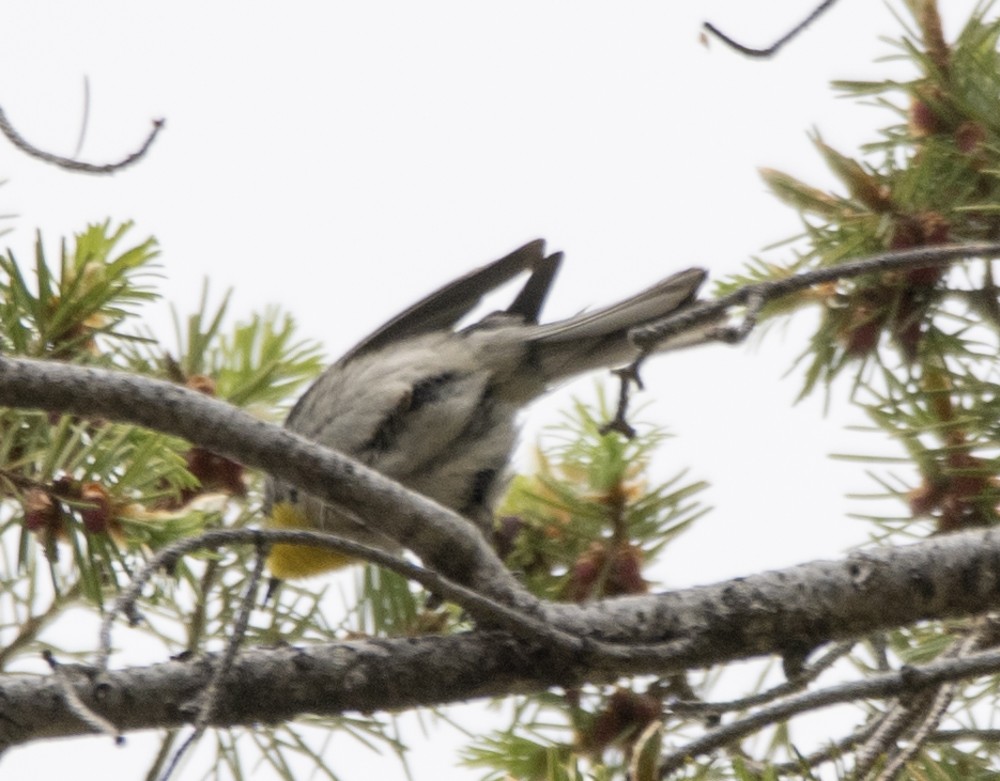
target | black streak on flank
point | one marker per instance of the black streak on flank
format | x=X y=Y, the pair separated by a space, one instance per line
x=424 y=392
x=485 y=418
x=428 y=390
x=480 y=491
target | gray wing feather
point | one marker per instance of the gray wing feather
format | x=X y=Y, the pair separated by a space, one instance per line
x=527 y=307
x=443 y=308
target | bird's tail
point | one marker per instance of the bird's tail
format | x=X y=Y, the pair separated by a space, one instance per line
x=598 y=339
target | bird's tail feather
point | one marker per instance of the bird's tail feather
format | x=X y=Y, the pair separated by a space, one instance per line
x=600 y=338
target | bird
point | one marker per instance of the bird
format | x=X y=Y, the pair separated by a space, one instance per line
x=435 y=406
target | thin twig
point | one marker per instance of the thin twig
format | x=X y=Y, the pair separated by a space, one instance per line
x=952 y=736
x=932 y=710
x=892 y=725
x=488 y=612
x=476 y=604
x=84 y=120
x=76 y=165
x=927 y=718
x=77 y=706
x=914 y=679
x=773 y=49
x=647 y=337
x=753 y=298
x=799 y=682
x=827 y=754
x=210 y=697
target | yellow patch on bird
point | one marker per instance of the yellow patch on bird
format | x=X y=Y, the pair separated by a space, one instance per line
x=299 y=561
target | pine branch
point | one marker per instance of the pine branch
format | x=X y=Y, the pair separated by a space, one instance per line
x=734 y=619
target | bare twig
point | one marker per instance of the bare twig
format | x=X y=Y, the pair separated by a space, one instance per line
x=891 y=726
x=908 y=680
x=773 y=49
x=84 y=120
x=210 y=696
x=76 y=165
x=829 y=753
x=926 y=712
x=481 y=607
x=798 y=683
x=753 y=297
x=952 y=736
x=77 y=706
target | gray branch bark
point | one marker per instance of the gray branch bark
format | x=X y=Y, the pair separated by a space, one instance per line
x=786 y=611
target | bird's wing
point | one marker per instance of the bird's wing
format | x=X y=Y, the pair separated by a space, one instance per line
x=527 y=307
x=444 y=307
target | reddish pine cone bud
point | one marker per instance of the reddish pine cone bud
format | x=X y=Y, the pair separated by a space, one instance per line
x=41 y=512
x=861 y=334
x=201 y=383
x=214 y=472
x=970 y=137
x=97 y=514
x=624 y=716
x=598 y=573
x=923 y=120
x=505 y=533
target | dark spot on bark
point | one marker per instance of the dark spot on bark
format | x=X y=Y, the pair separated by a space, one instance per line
x=924 y=585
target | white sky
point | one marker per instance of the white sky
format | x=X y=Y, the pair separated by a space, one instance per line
x=342 y=158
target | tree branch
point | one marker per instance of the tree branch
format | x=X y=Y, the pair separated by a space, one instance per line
x=692 y=318
x=76 y=165
x=788 y=611
x=773 y=49
x=910 y=679
x=274 y=684
x=485 y=611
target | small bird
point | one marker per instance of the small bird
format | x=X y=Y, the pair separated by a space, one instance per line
x=436 y=408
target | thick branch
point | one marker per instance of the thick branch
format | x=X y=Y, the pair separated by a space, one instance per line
x=794 y=610
x=275 y=684
x=789 y=611
x=812 y=603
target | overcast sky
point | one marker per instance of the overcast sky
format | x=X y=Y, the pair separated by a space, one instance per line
x=339 y=159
